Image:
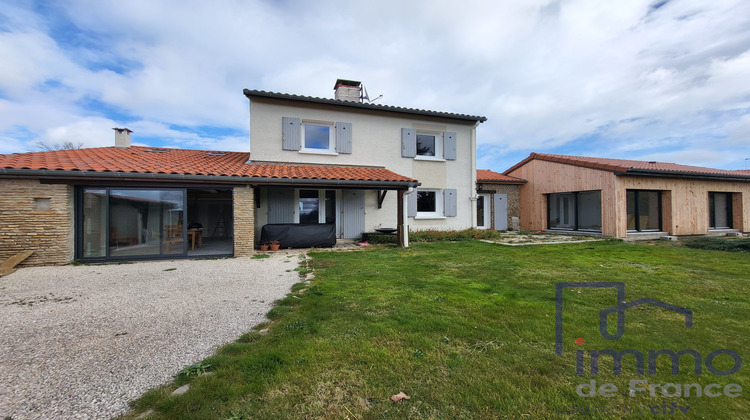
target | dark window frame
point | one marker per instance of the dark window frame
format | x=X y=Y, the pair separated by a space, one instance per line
x=637 y=203
x=576 y=224
x=712 y=210
x=79 y=225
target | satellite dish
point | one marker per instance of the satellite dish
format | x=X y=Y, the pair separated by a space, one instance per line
x=364 y=96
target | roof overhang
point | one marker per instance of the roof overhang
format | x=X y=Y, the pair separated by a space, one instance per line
x=689 y=175
x=250 y=94
x=77 y=176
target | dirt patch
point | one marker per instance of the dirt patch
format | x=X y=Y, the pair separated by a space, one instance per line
x=540 y=238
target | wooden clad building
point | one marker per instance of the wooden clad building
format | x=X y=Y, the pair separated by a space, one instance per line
x=631 y=199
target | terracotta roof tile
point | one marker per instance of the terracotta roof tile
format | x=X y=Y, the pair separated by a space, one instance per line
x=491 y=176
x=632 y=166
x=138 y=159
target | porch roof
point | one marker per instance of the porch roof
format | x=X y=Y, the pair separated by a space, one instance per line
x=187 y=164
x=488 y=176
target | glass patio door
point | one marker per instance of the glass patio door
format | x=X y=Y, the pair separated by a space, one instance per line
x=720 y=210
x=643 y=210
x=117 y=223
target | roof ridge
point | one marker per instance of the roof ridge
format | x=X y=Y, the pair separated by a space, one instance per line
x=388 y=108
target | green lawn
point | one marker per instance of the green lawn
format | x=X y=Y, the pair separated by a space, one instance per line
x=467 y=330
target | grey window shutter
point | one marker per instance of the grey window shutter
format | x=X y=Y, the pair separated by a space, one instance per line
x=450 y=209
x=291 y=134
x=408 y=142
x=449 y=145
x=343 y=137
x=411 y=202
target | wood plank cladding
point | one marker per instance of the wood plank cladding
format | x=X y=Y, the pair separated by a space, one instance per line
x=685 y=209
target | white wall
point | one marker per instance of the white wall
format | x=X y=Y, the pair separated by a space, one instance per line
x=376 y=141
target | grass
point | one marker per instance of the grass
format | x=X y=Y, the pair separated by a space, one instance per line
x=466 y=329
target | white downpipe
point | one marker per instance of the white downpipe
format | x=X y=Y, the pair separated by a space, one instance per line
x=473 y=192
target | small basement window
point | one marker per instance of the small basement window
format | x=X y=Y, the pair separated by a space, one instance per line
x=41 y=204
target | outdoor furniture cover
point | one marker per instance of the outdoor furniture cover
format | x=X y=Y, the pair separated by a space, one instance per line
x=293 y=235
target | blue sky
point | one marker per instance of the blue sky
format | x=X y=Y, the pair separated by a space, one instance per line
x=639 y=79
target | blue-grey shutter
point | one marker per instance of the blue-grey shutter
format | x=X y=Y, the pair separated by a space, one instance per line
x=408 y=143
x=501 y=211
x=291 y=134
x=343 y=137
x=449 y=145
x=281 y=205
x=411 y=204
x=353 y=213
x=451 y=207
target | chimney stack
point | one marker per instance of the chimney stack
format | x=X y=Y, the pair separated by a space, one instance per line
x=122 y=138
x=348 y=90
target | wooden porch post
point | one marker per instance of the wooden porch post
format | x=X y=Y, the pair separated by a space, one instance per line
x=400 y=218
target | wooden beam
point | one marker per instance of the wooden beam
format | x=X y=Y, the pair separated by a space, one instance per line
x=400 y=218
x=381 y=197
x=8 y=266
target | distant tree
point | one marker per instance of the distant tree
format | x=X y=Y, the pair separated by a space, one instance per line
x=48 y=147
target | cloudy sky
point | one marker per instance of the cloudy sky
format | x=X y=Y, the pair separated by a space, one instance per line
x=664 y=80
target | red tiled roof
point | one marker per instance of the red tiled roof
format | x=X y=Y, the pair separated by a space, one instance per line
x=138 y=159
x=632 y=166
x=491 y=176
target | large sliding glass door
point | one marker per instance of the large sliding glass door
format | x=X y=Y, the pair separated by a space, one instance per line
x=720 y=210
x=644 y=210
x=580 y=210
x=119 y=223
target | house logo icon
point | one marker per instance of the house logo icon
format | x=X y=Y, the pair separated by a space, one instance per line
x=618 y=309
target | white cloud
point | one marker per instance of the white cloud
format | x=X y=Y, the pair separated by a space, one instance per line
x=612 y=78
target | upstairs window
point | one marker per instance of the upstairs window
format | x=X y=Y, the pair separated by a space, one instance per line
x=322 y=137
x=427 y=145
x=318 y=137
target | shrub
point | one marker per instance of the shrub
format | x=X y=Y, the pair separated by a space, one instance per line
x=719 y=244
x=452 y=235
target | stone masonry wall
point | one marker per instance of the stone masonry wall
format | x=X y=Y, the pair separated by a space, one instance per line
x=514 y=200
x=23 y=227
x=244 y=221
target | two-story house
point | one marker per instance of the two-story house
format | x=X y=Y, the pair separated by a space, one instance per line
x=339 y=162
x=436 y=148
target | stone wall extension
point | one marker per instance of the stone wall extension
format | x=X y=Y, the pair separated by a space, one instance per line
x=244 y=221
x=49 y=233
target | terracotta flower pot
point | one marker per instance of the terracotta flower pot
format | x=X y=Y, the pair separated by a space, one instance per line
x=275 y=247
x=264 y=247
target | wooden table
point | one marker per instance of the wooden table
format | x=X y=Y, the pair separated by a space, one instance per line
x=192 y=234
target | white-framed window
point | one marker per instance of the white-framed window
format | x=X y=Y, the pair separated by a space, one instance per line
x=483 y=211
x=429 y=203
x=429 y=145
x=318 y=137
x=316 y=206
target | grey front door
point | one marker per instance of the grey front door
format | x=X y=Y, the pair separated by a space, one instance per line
x=352 y=213
x=501 y=211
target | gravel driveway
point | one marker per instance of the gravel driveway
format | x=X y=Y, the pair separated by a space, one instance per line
x=83 y=341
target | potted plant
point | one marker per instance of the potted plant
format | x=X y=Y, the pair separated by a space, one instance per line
x=274 y=245
x=264 y=246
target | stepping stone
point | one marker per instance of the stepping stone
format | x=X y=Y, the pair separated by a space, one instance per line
x=181 y=390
